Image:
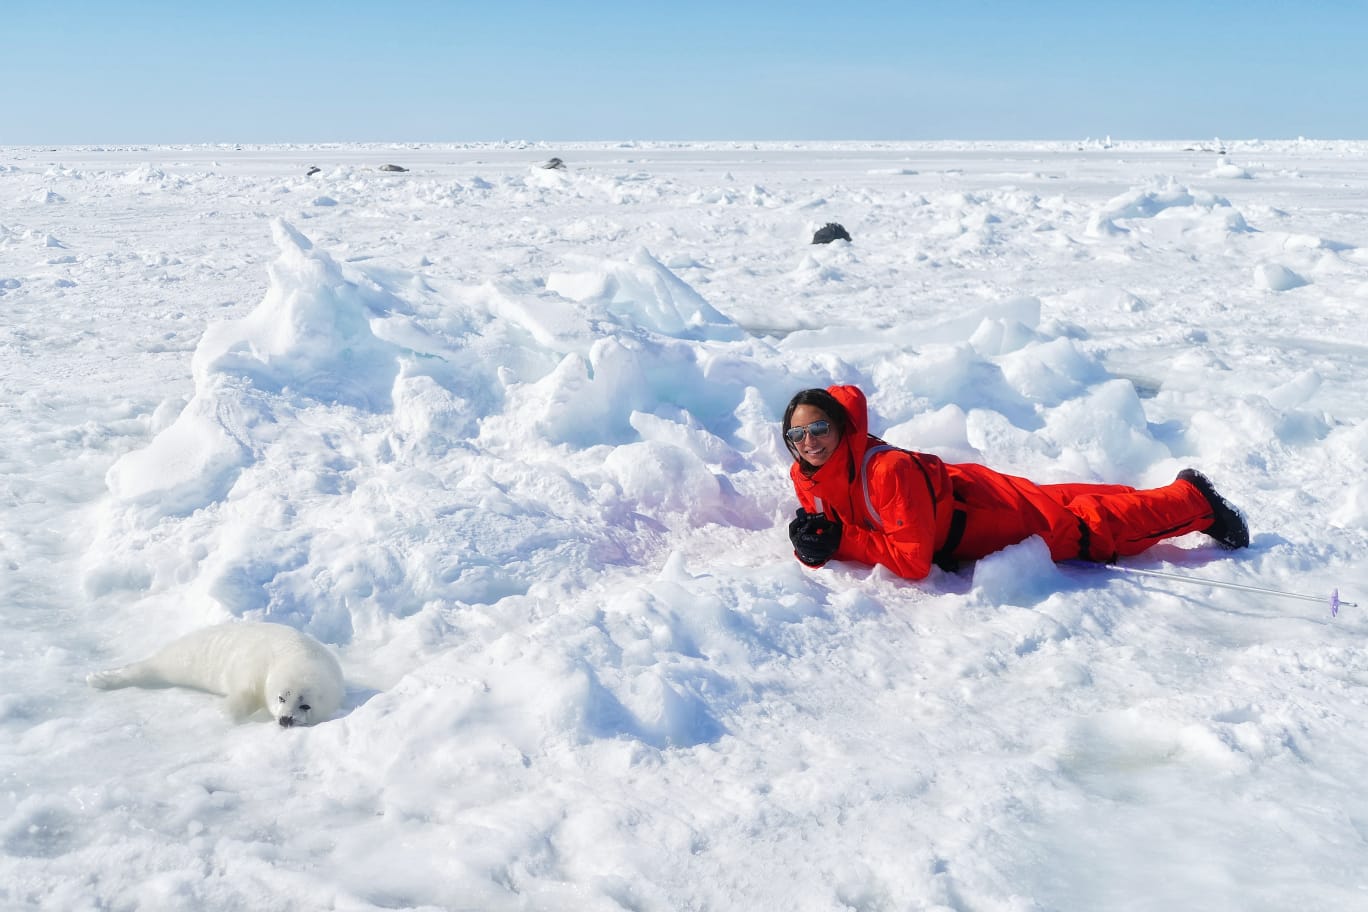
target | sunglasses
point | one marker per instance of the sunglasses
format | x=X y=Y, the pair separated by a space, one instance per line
x=816 y=429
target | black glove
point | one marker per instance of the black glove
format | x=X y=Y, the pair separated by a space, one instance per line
x=815 y=538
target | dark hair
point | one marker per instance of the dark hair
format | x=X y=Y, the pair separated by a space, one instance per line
x=821 y=399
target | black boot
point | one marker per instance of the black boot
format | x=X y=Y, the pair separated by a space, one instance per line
x=1229 y=527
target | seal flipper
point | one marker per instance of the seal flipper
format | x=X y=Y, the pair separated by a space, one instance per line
x=241 y=704
x=114 y=678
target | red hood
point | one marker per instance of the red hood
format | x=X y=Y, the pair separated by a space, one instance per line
x=831 y=482
x=857 y=436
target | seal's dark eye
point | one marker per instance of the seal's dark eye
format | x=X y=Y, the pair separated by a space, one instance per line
x=305 y=707
x=282 y=699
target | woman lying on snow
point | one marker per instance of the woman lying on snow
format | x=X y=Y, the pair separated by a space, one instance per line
x=863 y=500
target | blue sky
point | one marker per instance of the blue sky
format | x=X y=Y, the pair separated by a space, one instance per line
x=160 y=72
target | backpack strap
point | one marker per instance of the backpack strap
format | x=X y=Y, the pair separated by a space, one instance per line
x=864 y=481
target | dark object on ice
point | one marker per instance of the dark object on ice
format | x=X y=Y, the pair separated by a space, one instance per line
x=554 y=164
x=313 y=169
x=1229 y=526
x=830 y=232
x=392 y=168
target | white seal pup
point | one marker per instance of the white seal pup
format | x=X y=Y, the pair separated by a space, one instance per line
x=255 y=665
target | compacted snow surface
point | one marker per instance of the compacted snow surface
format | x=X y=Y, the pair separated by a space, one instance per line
x=506 y=438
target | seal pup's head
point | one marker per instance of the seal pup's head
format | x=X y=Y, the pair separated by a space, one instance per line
x=291 y=708
x=303 y=695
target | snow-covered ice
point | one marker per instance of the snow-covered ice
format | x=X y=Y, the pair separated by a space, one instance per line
x=506 y=438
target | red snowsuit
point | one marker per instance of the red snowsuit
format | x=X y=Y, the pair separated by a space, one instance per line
x=908 y=510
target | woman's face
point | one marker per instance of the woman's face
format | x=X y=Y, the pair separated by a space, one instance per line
x=814 y=450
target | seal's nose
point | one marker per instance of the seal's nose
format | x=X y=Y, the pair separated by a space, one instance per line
x=286 y=721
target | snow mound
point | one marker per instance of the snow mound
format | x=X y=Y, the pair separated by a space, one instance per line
x=1022 y=574
x=309 y=338
x=644 y=292
x=1174 y=201
x=1104 y=434
x=1276 y=277
x=1230 y=171
x=149 y=175
x=311 y=335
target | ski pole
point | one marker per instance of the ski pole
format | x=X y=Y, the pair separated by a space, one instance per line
x=1335 y=601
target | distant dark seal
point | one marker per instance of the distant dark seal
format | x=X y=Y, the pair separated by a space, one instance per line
x=830 y=232
x=392 y=168
x=554 y=164
x=312 y=171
